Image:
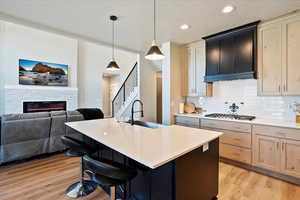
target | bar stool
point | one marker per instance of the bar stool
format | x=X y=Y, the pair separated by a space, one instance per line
x=108 y=173
x=79 y=149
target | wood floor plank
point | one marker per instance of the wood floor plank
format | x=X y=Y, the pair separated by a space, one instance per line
x=47 y=179
x=241 y=184
x=43 y=179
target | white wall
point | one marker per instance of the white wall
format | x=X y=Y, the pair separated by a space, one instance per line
x=172 y=82
x=20 y=42
x=106 y=107
x=92 y=62
x=176 y=79
x=276 y=107
x=166 y=83
x=148 y=88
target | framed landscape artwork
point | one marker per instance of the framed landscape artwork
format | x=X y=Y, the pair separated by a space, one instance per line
x=42 y=73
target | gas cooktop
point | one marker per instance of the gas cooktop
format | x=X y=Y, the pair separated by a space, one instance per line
x=230 y=116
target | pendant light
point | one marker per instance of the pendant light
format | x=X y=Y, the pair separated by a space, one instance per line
x=154 y=52
x=113 y=66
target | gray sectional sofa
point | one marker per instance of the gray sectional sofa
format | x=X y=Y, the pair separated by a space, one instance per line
x=30 y=134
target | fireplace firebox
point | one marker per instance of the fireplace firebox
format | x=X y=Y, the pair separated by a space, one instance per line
x=44 y=106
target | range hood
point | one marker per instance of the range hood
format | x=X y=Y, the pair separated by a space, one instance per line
x=232 y=54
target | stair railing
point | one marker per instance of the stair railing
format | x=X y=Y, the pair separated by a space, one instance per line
x=125 y=90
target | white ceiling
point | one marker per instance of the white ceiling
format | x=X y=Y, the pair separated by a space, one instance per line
x=90 y=18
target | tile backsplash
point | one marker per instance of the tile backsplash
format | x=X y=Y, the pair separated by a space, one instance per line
x=237 y=91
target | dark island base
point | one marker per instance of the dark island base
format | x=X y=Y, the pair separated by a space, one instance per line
x=193 y=176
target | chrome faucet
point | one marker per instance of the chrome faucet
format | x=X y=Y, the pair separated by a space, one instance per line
x=132 y=110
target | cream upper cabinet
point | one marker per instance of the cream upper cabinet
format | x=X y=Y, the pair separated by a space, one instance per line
x=278 y=56
x=291 y=70
x=191 y=70
x=201 y=86
x=195 y=70
x=270 y=49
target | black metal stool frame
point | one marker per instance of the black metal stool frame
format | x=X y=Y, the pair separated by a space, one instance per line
x=79 y=149
x=108 y=173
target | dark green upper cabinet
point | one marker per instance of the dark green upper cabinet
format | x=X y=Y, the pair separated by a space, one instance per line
x=244 y=58
x=231 y=54
x=212 y=57
x=227 y=55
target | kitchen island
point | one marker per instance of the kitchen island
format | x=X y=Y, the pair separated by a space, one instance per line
x=173 y=162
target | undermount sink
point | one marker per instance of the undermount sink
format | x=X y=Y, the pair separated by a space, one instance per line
x=147 y=124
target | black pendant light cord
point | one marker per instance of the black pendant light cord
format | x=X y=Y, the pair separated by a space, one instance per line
x=113 y=39
x=113 y=18
x=154 y=19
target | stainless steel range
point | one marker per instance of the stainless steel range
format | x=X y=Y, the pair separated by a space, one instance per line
x=231 y=116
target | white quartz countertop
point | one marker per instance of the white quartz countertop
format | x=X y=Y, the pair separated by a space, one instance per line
x=257 y=121
x=150 y=147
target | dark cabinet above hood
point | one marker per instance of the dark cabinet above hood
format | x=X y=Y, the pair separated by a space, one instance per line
x=232 y=54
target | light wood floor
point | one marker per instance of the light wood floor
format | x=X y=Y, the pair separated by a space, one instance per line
x=46 y=179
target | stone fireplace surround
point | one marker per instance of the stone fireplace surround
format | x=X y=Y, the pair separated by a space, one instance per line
x=15 y=95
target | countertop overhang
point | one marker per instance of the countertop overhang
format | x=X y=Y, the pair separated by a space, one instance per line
x=257 y=121
x=150 y=147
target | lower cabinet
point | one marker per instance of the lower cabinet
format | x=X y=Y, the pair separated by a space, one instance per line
x=236 y=141
x=236 y=153
x=277 y=154
x=272 y=148
x=290 y=158
x=266 y=152
x=192 y=122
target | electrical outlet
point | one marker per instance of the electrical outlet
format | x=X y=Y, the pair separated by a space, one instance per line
x=205 y=147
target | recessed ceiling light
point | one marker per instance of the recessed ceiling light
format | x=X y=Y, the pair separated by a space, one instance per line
x=184 y=27
x=228 y=9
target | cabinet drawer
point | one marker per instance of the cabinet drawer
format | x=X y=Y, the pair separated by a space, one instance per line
x=235 y=153
x=287 y=133
x=183 y=119
x=236 y=138
x=187 y=125
x=188 y=121
x=226 y=125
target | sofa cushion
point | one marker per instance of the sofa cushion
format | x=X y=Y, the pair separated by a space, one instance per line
x=69 y=113
x=23 y=150
x=58 y=129
x=35 y=115
x=12 y=117
x=74 y=116
x=26 y=129
x=58 y=113
x=55 y=144
x=58 y=121
x=71 y=117
x=26 y=135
